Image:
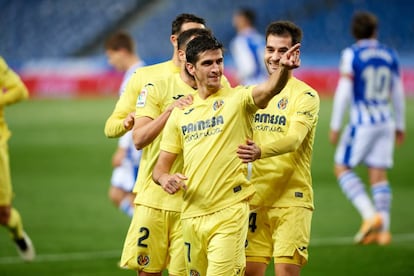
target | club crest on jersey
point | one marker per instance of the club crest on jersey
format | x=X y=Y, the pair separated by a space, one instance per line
x=143 y=260
x=282 y=103
x=217 y=104
x=194 y=272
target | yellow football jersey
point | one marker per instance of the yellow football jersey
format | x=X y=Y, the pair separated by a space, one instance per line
x=208 y=133
x=12 y=90
x=114 y=126
x=153 y=100
x=285 y=180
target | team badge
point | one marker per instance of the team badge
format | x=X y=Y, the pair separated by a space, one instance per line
x=217 y=104
x=282 y=103
x=143 y=260
x=142 y=98
x=194 y=272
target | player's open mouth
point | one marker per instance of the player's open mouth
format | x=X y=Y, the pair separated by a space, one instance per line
x=273 y=67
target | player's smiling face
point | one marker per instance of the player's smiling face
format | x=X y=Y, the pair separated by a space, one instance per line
x=276 y=46
x=209 y=69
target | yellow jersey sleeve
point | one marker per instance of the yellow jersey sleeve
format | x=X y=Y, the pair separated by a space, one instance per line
x=174 y=143
x=149 y=101
x=303 y=120
x=12 y=87
x=285 y=130
x=152 y=102
x=114 y=126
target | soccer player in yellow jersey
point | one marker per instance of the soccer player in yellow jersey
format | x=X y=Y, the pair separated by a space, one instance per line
x=281 y=209
x=12 y=90
x=154 y=239
x=122 y=118
x=216 y=190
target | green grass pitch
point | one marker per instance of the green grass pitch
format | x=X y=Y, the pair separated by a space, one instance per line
x=61 y=168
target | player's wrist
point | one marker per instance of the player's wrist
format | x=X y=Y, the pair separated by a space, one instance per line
x=159 y=179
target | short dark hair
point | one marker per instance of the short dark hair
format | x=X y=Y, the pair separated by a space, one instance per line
x=120 y=40
x=364 y=25
x=199 y=45
x=247 y=13
x=283 y=28
x=185 y=36
x=184 y=18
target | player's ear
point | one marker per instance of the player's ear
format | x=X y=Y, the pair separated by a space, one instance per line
x=181 y=55
x=173 y=40
x=190 y=68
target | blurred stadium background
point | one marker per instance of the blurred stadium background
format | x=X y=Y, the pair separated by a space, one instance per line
x=57 y=46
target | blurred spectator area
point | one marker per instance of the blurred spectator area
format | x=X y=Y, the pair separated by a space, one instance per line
x=33 y=32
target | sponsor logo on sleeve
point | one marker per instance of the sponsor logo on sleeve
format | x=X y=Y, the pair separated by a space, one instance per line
x=142 y=98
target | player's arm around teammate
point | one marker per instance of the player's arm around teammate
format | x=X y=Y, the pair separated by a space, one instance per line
x=146 y=129
x=250 y=151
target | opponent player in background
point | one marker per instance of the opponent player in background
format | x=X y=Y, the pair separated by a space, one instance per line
x=283 y=135
x=121 y=54
x=156 y=223
x=246 y=48
x=370 y=82
x=215 y=201
x=12 y=90
x=122 y=118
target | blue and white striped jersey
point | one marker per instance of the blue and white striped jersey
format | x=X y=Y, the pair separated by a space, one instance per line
x=247 y=50
x=376 y=85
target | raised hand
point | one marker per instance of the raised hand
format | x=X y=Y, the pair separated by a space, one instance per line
x=291 y=59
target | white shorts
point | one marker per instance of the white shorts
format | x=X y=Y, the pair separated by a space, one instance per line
x=370 y=145
x=124 y=176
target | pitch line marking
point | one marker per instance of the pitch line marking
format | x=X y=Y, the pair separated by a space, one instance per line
x=109 y=254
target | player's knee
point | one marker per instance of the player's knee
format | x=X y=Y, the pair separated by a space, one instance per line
x=115 y=196
x=377 y=176
x=339 y=170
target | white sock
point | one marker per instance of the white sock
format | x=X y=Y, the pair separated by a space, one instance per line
x=126 y=207
x=354 y=190
x=382 y=195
